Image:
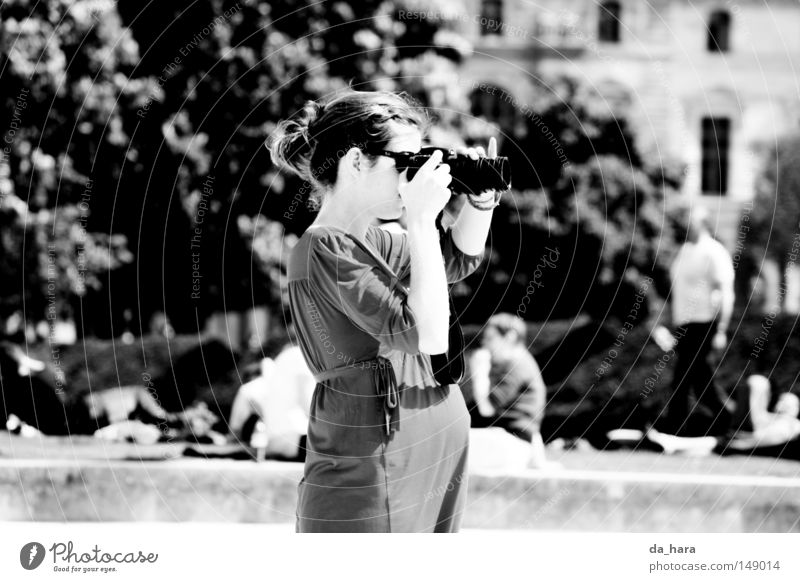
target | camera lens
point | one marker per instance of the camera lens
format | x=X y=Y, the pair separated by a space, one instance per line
x=469 y=176
x=474 y=176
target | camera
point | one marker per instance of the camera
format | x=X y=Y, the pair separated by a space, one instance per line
x=469 y=176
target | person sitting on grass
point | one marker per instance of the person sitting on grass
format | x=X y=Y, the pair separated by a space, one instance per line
x=270 y=413
x=769 y=428
x=507 y=387
x=773 y=434
x=134 y=413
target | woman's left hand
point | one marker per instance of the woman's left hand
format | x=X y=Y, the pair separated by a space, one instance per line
x=472 y=221
x=479 y=152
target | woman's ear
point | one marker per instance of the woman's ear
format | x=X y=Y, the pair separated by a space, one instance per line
x=353 y=161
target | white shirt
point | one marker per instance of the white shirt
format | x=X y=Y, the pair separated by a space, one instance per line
x=281 y=397
x=702 y=279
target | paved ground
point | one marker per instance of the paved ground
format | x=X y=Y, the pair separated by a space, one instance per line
x=648 y=462
x=80 y=479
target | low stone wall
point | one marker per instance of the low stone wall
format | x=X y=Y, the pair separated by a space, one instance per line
x=231 y=491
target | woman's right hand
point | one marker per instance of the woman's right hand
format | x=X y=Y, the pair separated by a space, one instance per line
x=426 y=194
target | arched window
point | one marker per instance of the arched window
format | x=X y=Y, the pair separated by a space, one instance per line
x=715 y=146
x=719 y=31
x=608 y=22
x=491 y=17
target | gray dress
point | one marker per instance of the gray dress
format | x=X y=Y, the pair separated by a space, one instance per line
x=387 y=445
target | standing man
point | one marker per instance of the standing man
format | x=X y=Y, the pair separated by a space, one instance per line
x=702 y=302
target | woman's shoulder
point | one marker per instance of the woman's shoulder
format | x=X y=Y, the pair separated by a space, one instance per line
x=324 y=235
x=319 y=243
x=330 y=244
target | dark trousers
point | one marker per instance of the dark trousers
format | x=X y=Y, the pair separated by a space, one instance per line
x=694 y=375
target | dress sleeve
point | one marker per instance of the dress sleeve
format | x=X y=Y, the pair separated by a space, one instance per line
x=393 y=247
x=363 y=292
x=458 y=265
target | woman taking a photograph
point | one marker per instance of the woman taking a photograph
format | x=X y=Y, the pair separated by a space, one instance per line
x=387 y=444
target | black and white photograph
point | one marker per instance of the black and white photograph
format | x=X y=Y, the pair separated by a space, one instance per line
x=527 y=271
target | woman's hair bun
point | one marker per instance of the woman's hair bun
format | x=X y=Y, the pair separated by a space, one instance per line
x=312 y=141
x=292 y=143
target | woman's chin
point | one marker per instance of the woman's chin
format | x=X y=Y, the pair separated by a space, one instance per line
x=391 y=214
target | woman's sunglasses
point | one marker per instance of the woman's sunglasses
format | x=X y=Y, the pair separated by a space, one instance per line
x=402 y=159
x=412 y=160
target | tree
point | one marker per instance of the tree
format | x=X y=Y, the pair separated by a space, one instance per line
x=770 y=228
x=581 y=189
x=62 y=149
x=152 y=119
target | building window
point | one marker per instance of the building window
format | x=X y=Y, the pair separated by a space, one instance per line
x=608 y=23
x=715 y=143
x=719 y=31
x=491 y=17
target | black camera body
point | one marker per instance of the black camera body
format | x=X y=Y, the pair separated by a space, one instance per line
x=469 y=176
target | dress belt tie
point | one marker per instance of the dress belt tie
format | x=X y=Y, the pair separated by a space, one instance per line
x=383 y=376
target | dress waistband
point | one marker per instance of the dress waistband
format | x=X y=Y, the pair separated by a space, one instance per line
x=384 y=378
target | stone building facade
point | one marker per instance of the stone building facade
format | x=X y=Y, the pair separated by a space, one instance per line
x=708 y=83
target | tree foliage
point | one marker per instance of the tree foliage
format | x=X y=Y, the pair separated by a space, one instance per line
x=143 y=125
x=774 y=223
x=135 y=138
x=582 y=189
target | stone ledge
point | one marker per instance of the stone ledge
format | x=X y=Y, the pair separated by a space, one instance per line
x=232 y=491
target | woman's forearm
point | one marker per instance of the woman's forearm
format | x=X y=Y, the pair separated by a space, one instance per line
x=471 y=229
x=427 y=296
